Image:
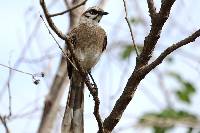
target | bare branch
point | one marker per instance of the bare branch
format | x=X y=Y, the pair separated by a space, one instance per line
x=50 y=21
x=157 y=25
x=152 y=8
x=64 y=54
x=23 y=52
x=129 y=25
x=9 y=91
x=69 y=10
x=141 y=61
x=33 y=75
x=170 y=49
x=3 y=121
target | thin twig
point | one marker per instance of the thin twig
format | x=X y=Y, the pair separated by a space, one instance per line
x=129 y=25
x=16 y=70
x=64 y=54
x=23 y=52
x=92 y=79
x=68 y=10
x=3 y=121
x=35 y=80
x=9 y=90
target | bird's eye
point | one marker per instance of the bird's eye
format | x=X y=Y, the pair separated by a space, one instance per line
x=93 y=12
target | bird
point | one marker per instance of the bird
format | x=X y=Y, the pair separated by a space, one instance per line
x=89 y=41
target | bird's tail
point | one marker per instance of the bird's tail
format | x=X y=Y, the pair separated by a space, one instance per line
x=73 y=116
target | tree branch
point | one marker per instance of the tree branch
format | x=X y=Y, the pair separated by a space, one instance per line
x=3 y=121
x=152 y=8
x=157 y=24
x=69 y=10
x=64 y=54
x=129 y=25
x=141 y=61
x=171 y=49
x=50 y=21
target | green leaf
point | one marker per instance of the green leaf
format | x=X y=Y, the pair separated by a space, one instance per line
x=135 y=20
x=189 y=88
x=186 y=90
x=190 y=130
x=184 y=97
x=159 y=130
x=128 y=50
x=176 y=76
x=166 y=113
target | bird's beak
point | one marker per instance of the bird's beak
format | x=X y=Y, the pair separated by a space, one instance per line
x=104 y=13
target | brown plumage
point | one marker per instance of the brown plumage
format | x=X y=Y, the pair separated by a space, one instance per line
x=89 y=41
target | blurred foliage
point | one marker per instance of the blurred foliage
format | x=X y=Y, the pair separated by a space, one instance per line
x=135 y=20
x=186 y=90
x=128 y=50
x=162 y=121
x=166 y=119
x=169 y=59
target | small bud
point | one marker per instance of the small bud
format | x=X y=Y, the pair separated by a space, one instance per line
x=36 y=82
x=42 y=74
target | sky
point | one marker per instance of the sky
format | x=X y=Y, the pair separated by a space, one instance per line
x=18 y=20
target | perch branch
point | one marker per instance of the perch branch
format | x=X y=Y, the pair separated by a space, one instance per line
x=93 y=90
x=64 y=54
x=50 y=21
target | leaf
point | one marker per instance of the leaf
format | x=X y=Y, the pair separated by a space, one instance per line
x=190 y=130
x=135 y=20
x=189 y=88
x=184 y=97
x=176 y=76
x=186 y=90
x=159 y=130
x=128 y=50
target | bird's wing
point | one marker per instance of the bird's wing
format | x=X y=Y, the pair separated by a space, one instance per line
x=104 y=43
x=72 y=39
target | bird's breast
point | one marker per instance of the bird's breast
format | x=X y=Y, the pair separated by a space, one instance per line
x=89 y=45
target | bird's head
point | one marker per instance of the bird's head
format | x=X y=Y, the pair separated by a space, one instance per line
x=94 y=13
